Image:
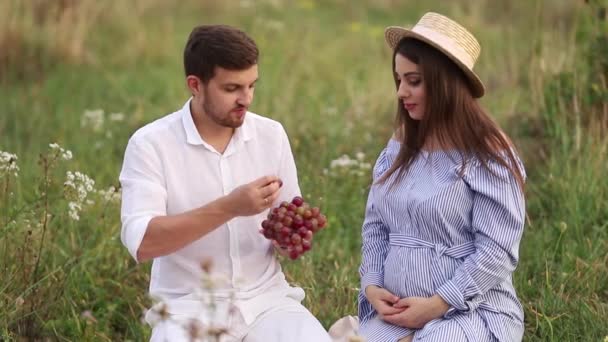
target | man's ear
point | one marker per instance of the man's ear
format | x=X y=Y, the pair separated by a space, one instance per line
x=194 y=84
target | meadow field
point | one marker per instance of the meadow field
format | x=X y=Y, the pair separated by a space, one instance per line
x=78 y=77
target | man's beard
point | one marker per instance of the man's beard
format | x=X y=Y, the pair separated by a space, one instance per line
x=225 y=120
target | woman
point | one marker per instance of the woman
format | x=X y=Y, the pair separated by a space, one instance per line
x=445 y=213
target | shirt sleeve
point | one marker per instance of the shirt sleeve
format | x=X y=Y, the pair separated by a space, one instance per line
x=375 y=242
x=287 y=171
x=497 y=221
x=144 y=193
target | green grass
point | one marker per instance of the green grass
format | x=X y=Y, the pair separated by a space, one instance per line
x=325 y=74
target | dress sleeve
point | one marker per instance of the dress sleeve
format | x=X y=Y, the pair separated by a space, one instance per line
x=497 y=222
x=144 y=194
x=375 y=243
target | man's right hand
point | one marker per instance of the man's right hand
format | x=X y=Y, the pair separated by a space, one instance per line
x=255 y=197
x=382 y=300
x=167 y=233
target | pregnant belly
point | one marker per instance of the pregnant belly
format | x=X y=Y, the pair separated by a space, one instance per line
x=416 y=272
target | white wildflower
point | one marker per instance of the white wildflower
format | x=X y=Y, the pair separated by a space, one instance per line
x=88 y=316
x=93 y=119
x=344 y=161
x=117 y=117
x=8 y=164
x=110 y=195
x=158 y=313
x=67 y=155
x=62 y=152
x=195 y=329
x=74 y=209
x=76 y=188
x=216 y=307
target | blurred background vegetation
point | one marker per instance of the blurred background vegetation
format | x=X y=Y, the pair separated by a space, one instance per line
x=86 y=74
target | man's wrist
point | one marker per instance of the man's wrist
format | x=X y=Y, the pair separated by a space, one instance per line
x=226 y=207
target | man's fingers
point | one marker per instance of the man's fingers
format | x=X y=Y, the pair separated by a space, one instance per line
x=270 y=189
x=265 y=180
x=272 y=198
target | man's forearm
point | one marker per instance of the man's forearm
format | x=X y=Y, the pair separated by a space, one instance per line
x=167 y=234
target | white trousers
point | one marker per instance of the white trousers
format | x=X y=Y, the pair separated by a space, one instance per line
x=293 y=324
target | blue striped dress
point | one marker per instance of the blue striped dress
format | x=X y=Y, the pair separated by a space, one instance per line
x=437 y=231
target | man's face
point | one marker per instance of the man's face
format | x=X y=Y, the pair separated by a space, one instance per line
x=228 y=95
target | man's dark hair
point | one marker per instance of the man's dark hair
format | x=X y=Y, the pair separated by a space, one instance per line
x=218 y=45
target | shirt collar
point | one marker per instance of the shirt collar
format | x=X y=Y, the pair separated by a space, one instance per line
x=243 y=133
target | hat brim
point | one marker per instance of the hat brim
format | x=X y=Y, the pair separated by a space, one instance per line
x=394 y=34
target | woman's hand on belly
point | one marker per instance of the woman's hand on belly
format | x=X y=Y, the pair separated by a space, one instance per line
x=417 y=311
x=382 y=300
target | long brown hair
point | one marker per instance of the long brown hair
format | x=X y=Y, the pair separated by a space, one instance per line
x=452 y=115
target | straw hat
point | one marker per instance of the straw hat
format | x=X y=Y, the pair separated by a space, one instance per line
x=449 y=37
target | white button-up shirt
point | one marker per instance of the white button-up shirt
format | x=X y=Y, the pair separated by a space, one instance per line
x=169 y=169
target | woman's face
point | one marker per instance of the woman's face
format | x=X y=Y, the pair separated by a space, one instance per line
x=411 y=92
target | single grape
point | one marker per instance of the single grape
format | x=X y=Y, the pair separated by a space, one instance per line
x=296 y=239
x=306 y=245
x=322 y=220
x=302 y=231
x=308 y=225
x=293 y=254
x=298 y=201
x=298 y=221
x=287 y=221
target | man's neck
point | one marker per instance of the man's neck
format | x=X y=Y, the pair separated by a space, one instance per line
x=213 y=134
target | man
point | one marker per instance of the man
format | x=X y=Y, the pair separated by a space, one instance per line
x=196 y=186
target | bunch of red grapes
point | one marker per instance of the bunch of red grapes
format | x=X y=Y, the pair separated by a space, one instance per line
x=293 y=225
